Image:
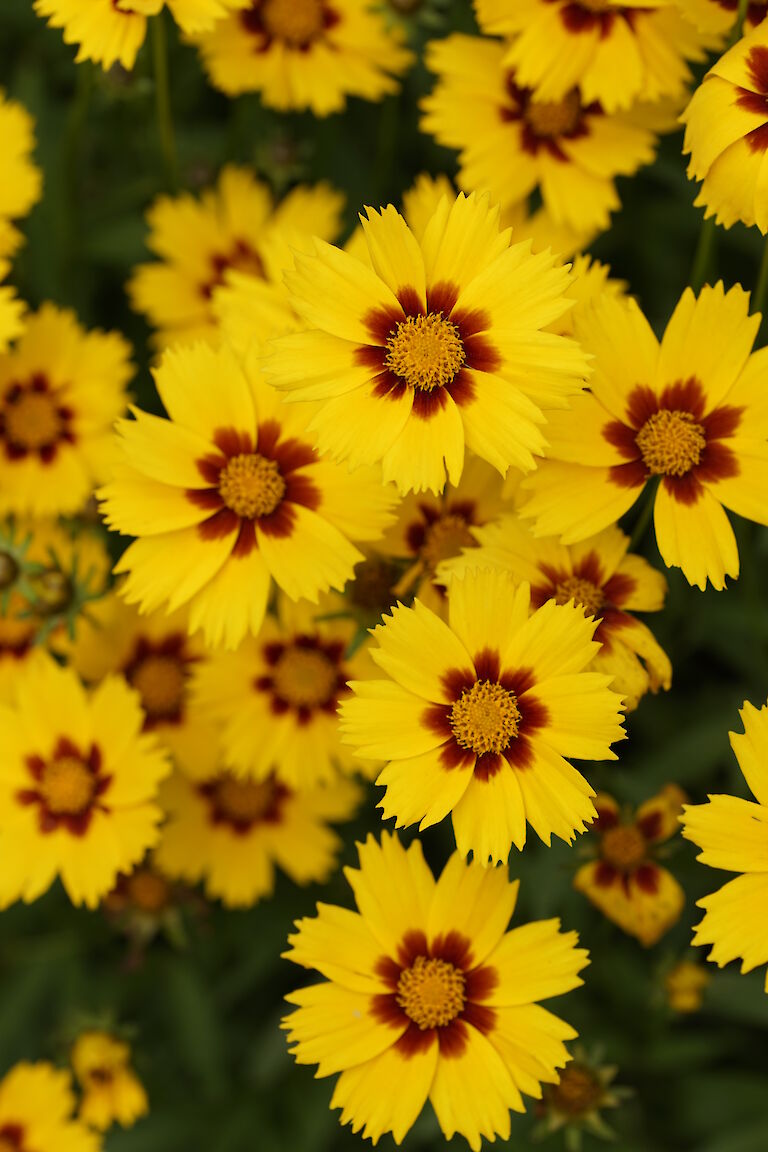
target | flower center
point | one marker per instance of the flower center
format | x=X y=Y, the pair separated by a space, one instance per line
x=251 y=486
x=305 y=677
x=159 y=680
x=297 y=22
x=243 y=801
x=431 y=992
x=425 y=351
x=148 y=891
x=583 y=592
x=9 y=1144
x=623 y=846
x=445 y=538
x=554 y=117
x=671 y=443
x=32 y=420
x=579 y=1090
x=485 y=718
x=67 y=786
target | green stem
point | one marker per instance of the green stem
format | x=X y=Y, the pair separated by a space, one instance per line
x=644 y=517
x=760 y=294
x=163 y=99
x=738 y=28
x=703 y=258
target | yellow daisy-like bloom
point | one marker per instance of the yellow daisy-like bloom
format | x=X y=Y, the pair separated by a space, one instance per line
x=687 y=412
x=36 y=1112
x=228 y=495
x=309 y=54
x=427 y=996
x=615 y=52
x=726 y=134
x=569 y=149
x=112 y=31
x=273 y=702
x=597 y=575
x=232 y=834
x=479 y=713
x=78 y=785
x=439 y=345
x=22 y=181
x=626 y=882
x=733 y=835
x=685 y=985
x=61 y=389
x=112 y=1092
x=236 y=225
x=157 y=657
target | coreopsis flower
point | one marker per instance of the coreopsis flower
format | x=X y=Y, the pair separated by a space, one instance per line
x=235 y=225
x=599 y=576
x=726 y=133
x=22 y=180
x=36 y=1112
x=112 y=31
x=569 y=149
x=306 y=54
x=730 y=833
x=78 y=785
x=436 y=347
x=613 y=52
x=478 y=715
x=273 y=702
x=684 y=986
x=427 y=996
x=231 y=834
x=576 y=1103
x=156 y=656
x=625 y=881
x=685 y=414
x=112 y=1092
x=61 y=389
x=227 y=495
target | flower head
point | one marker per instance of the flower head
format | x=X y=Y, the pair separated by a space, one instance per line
x=437 y=347
x=479 y=713
x=625 y=881
x=685 y=414
x=305 y=53
x=78 y=785
x=112 y=1092
x=685 y=984
x=733 y=835
x=427 y=996
x=36 y=1112
x=227 y=495
x=22 y=180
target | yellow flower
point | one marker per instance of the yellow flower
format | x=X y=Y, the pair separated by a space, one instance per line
x=685 y=985
x=236 y=225
x=569 y=149
x=22 y=180
x=625 y=882
x=601 y=578
x=78 y=785
x=687 y=412
x=228 y=495
x=726 y=133
x=614 y=52
x=157 y=657
x=112 y=1092
x=427 y=996
x=232 y=833
x=731 y=833
x=36 y=1107
x=479 y=713
x=439 y=345
x=274 y=701
x=61 y=389
x=305 y=53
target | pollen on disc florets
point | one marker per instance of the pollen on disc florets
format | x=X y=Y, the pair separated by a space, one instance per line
x=305 y=677
x=67 y=786
x=485 y=718
x=243 y=801
x=425 y=351
x=588 y=595
x=554 y=117
x=671 y=442
x=251 y=485
x=431 y=992
x=623 y=846
x=295 y=22
x=159 y=680
x=32 y=420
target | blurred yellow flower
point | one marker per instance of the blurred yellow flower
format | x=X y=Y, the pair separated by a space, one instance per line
x=685 y=984
x=36 y=1112
x=112 y=1092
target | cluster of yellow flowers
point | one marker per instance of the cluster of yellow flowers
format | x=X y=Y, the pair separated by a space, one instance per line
x=375 y=537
